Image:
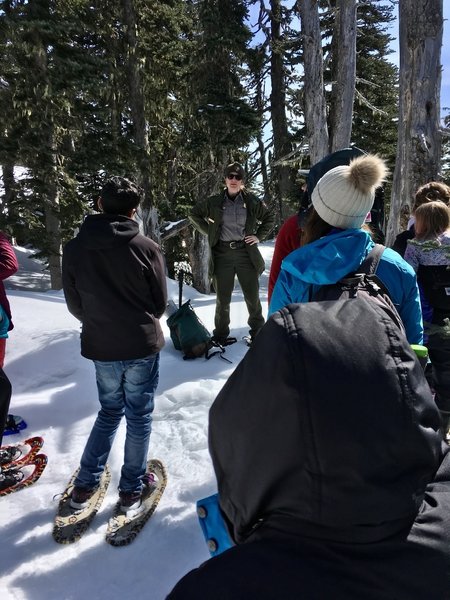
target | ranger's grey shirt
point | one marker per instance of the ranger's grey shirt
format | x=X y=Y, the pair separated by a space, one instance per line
x=233 y=219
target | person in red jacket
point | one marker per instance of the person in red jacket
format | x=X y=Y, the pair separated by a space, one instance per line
x=8 y=266
x=288 y=239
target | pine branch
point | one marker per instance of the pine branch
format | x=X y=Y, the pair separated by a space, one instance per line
x=373 y=108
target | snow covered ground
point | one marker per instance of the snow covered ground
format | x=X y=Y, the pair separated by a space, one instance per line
x=54 y=390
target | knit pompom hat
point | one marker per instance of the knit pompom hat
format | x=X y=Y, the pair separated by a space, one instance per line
x=344 y=195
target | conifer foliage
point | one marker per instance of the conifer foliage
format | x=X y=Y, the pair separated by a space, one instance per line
x=167 y=93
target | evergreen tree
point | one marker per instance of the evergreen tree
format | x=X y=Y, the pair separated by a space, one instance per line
x=218 y=121
x=54 y=108
x=376 y=92
x=376 y=101
x=223 y=120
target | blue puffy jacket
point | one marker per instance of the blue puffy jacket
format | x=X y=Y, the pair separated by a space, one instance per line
x=334 y=256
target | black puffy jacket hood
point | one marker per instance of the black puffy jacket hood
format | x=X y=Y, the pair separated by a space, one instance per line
x=326 y=429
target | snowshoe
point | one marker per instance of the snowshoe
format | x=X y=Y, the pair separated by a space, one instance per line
x=16 y=478
x=124 y=525
x=20 y=454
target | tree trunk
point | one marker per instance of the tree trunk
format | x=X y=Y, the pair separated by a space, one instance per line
x=282 y=174
x=199 y=256
x=49 y=176
x=45 y=167
x=259 y=99
x=419 y=136
x=53 y=229
x=198 y=248
x=343 y=75
x=140 y=126
x=263 y=164
x=9 y=184
x=315 y=107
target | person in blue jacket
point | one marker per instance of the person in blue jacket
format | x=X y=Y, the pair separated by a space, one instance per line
x=334 y=244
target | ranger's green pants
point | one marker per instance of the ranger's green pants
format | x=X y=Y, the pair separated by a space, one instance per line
x=228 y=264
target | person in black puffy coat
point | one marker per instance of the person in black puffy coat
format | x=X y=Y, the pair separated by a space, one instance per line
x=332 y=473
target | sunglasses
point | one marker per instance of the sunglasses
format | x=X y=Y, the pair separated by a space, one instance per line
x=234 y=176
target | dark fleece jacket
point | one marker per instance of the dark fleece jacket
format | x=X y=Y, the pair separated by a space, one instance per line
x=114 y=283
x=331 y=470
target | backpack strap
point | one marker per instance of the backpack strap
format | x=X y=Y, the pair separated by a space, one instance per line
x=220 y=350
x=180 y=288
x=369 y=265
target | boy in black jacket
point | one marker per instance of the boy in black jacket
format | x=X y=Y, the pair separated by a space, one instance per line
x=114 y=283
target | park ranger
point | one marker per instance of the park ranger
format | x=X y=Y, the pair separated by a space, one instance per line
x=234 y=221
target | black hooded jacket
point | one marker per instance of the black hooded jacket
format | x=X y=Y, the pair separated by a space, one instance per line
x=114 y=283
x=331 y=471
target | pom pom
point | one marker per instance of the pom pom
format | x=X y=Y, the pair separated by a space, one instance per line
x=367 y=172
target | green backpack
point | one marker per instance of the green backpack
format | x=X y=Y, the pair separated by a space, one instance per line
x=188 y=333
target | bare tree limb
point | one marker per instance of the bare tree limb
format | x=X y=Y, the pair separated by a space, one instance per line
x=170 y=230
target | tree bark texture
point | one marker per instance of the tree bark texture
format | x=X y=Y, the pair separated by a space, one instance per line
x=140 y=125
x=419 y=136
x=315 y=107
x=9 y=185
x=259 y=98
x=283 y=177
x=45 y=168
x=199 y=256
x=198 y=248
x=343 y=75
x=53 y=228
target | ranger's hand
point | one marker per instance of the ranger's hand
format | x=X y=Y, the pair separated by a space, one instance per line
x=251 y=239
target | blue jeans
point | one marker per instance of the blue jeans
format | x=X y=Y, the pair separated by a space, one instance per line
x=125 y=387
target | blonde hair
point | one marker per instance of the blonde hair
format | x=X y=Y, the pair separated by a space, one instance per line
x=432 y=219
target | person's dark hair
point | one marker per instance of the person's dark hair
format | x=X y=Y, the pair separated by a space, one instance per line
x=315 y=227
x=120 y=195
x=235 y=168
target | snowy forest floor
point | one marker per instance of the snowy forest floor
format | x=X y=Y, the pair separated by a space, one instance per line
x=54 y=390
